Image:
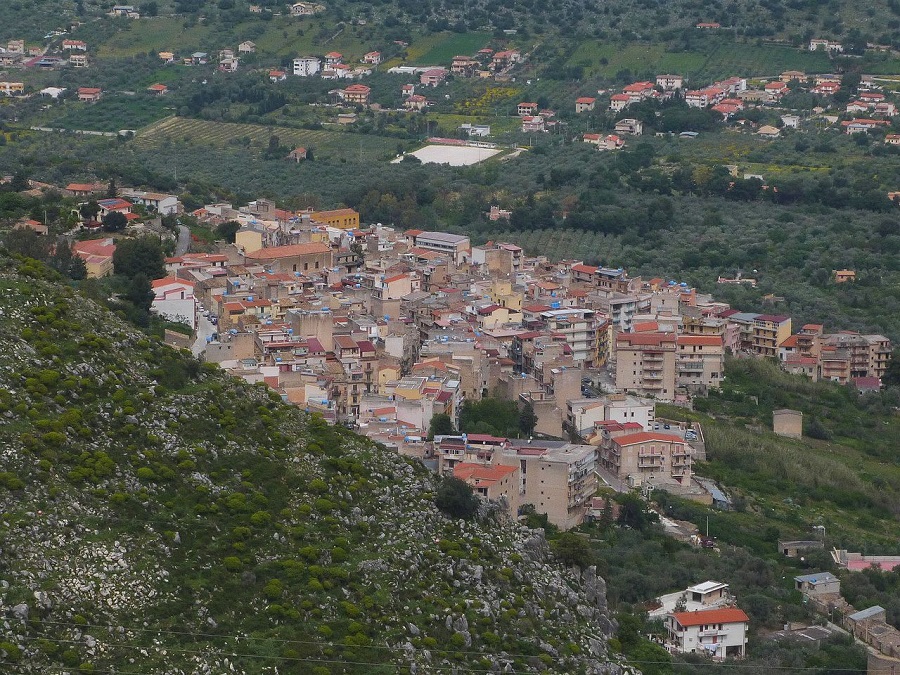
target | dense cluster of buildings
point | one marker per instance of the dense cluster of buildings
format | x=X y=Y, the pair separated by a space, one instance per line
x=730 y=97
x=383 y=330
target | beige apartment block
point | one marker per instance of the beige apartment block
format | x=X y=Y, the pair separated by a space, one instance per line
x=645 y=364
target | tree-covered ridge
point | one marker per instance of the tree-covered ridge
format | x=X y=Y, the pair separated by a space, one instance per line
x=796 y=20
x=155 y=510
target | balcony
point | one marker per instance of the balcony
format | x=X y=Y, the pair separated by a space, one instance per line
x=652 y=375
x=694 y=366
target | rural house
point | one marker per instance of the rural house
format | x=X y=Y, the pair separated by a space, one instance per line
x=89 y=94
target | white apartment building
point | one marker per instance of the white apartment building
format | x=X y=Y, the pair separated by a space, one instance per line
x=307 y=66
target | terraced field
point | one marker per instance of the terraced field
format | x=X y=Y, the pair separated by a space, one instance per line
x=718 y=58
x=183 y=131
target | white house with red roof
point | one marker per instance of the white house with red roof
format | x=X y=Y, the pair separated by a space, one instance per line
x=826 y=88
x=862 y=125
x=333 y=58
x=775 y=90
x=78 y=45
x=870 y=96
x=718 y=633
x=372 y=58
x=174 y=299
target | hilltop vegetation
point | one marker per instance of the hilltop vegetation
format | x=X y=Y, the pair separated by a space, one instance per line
x=154 y=509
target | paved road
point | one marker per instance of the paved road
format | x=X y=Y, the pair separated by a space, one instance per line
x=184 y=240
x=204 y=330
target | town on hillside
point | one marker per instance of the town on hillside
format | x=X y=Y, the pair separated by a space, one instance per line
x=390 y=331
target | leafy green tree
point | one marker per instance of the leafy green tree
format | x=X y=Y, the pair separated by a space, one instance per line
x=142 y=255
x=891 y=377
x=490 y=416
x=19 y=182
x=441 y=425
x=456 y=499
x=61 y=260
x=228 y=230
x=651 y=658
x=527 y=419
x=572 y=550
x=26 y=242
x=634 y=513
x=89 y=210
x=114 y=221
x=77 y=269
x=140 y=292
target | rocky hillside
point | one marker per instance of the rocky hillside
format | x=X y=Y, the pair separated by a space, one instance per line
x=159 y=517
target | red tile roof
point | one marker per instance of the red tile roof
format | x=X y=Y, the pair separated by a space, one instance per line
x=727 y=615
x=646 y=339
x=276 y=252
x=481 y=473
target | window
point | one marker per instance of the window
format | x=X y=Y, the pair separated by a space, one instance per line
x=305 y=266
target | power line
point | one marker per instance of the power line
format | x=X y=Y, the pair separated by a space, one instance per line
x=325 y=644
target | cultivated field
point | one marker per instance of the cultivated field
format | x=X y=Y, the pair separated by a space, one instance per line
x=255 y=137
x=716 y=59
x=442 y=50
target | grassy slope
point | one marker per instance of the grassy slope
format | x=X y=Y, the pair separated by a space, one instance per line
x=142 y=490
x=850 y=483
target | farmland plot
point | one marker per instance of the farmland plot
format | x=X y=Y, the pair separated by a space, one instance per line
x=255 y=137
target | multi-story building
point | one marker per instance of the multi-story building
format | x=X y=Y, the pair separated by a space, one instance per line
x=645 y=364
x=699 y=362
x=307 y=66
x=580 y=328
x=718 y=633
x=647 y=457
x=497 y=483
x=457 y=246
x=556 y=478
x=314 y=257
x=769 y=331
x=584 y=414
x=356 y=94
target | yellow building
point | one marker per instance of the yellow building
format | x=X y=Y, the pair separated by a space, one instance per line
x=248 y=240
x=344 y=219
x=502 y=293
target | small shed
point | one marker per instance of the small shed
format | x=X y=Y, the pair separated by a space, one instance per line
x=788 y=423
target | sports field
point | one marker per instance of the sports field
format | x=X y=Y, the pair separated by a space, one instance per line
x=453 y=155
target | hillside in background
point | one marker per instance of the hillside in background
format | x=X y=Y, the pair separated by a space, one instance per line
x=791 y=20
x=156 y=512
